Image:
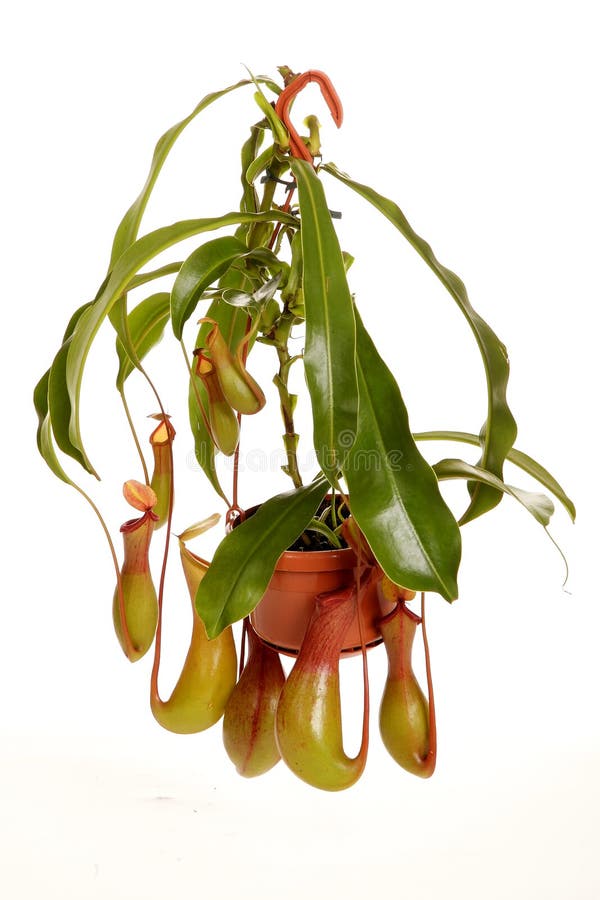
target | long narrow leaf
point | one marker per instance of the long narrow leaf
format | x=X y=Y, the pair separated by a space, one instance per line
x=520 y=459
x=245 y=560
x=128 y=265
x=145 y=328
x=61 y=409
x=119 y=315
x=128 y=229
x=500 y=429
x=44 y=431
x=539 y=505
x=145 y=277
x=201 y=269
x=329 y=357
x=394 y=493
x=250 y=150
x=41 y=404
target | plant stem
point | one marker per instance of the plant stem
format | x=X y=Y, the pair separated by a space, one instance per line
x=135 y=437
x=287 y=400
x=280 y=336
x=260 y=232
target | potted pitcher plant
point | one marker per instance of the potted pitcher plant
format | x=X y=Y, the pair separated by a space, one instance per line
x=332 y=566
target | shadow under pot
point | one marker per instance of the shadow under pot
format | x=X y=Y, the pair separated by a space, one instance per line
x=283 y=614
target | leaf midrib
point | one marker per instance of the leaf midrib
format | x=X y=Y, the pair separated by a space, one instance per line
x=330 y=409
x=381 y=444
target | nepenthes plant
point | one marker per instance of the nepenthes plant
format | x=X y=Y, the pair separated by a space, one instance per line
x=332 y=566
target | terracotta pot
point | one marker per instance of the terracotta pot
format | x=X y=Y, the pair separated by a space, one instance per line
x=282 y=616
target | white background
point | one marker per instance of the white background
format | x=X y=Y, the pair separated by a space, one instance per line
x=480 y=119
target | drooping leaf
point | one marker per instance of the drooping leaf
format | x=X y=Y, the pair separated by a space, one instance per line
x=145 y=277
x=520 y=459
x=44 y=431
x=41 y=404
x=329 y=356
x=47 y=450
x=394 y=493
x=201 y=269
x=128 y=229
x=145 y=327
x=118 y=283
x=539 y=505
x=61 y=409
x=119 y=315
x=500 y=429
x=45 y=441
x=245 y=560
x=72 y=323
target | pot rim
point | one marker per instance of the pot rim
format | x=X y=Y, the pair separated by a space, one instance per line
x=310 y=560
x=316 y=560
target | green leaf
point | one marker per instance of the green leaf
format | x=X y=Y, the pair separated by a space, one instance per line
x=44 y=431
x=394 y=494
x=259 y=164
x=239 y=299
x=204 y=449
x=329 y=357
x=118 y=283
x=46 y=444
x=201 y=269
x=128 y=229
x=72 y=323
x=280 y=135
x=145 y=277
x=145 y=327
x=250 y=149
x=517 y=457
x=500 y=429
x=539 y=505
x=245 y=560
x=267 y=290
x=325 y=530
x=118 y=313
x=60 y=407
x=41 y=404
x=257 y=298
